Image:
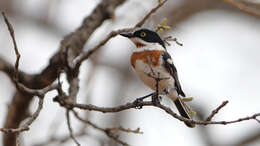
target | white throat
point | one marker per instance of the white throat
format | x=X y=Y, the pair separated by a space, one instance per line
x=147 y=45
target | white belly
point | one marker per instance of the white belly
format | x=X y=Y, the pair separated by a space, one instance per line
x=144 y=70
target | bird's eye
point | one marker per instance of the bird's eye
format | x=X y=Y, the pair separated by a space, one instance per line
x=143 y=34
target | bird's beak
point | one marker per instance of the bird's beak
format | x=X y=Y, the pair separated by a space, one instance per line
x=128 y=35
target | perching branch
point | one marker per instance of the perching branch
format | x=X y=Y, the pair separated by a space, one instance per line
x=133 y=105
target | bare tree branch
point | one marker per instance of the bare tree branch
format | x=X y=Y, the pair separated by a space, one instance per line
x=133 y=105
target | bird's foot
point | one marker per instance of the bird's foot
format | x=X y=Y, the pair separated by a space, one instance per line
x=138 y=103
x=156 y=100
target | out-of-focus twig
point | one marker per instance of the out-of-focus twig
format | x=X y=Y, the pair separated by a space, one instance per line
x=128 y=130
x=169 y=38
x=251 y=138
x=70 y=128
x=110 y=132
x=243 y=7
x=59 y=139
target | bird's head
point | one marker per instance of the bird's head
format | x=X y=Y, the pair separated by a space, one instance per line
x=144 y=37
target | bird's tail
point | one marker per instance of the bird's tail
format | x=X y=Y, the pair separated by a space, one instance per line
x=184 y=111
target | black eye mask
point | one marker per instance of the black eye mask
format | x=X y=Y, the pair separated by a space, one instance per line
x=149 y=36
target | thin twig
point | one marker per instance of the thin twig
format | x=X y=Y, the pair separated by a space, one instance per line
x=108 y=131
x=11 y=31
x=169 y=38
x=169 y=111
x=86 y=55
x=86 y=121
x=115 y=137
x=26 y=126
x=39 y=93
x=59 y=139
x=141 y=23
x=128 y=130
x=70 y=128
x=214 y=112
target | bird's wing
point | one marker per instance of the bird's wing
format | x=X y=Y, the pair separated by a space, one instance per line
x=168 y=64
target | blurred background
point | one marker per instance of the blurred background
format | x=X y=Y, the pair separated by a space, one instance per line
x=219 y=60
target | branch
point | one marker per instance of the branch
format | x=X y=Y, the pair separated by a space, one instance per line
x=134 y=105
x=11 y=31
x=70 y=128
x=243 y=7
x=26 y=126
x=59 y=139
x=128 y=130
x=214 y=112
x=169 y=38
x=141 y=23
x=108 y=131
x=20 y=86
x=10 y=71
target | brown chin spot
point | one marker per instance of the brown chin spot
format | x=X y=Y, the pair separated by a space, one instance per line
x=139 y=45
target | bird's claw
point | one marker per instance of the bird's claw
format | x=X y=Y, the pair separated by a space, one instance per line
x=138 y=103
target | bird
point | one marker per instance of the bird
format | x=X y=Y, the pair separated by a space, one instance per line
x=150 y=60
